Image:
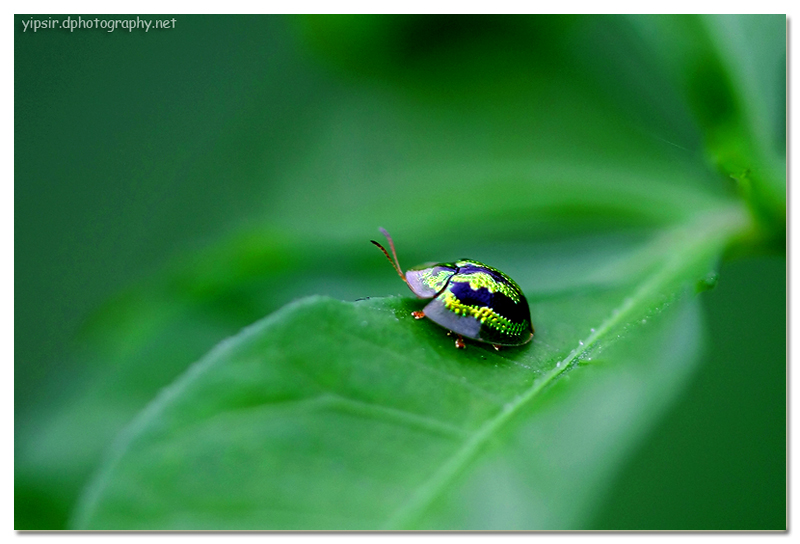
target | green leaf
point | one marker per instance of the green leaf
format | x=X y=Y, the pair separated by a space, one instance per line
x=332 y=415
x=732 y=71
x=568 y=152
x=541 y=212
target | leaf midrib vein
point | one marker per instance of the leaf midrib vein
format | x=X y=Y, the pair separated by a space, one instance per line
x=719 y=227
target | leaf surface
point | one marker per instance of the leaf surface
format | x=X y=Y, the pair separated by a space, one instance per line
x=334 y=415
x=572 y=153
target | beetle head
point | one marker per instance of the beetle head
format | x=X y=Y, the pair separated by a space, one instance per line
x=425 y=280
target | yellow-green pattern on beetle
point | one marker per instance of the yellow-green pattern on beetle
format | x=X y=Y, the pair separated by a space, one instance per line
x=470 y=298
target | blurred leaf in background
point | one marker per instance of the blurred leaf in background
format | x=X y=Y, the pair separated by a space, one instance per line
x=173 y=187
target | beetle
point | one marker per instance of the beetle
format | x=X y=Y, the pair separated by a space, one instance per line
x=470 y=299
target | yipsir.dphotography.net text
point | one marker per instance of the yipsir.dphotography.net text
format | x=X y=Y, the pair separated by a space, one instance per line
x=71 y=24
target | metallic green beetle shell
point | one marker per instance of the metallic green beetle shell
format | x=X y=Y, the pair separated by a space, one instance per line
x=469 y=298
x=473 y=300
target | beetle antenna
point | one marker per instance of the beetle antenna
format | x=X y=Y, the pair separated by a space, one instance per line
x=395 y=262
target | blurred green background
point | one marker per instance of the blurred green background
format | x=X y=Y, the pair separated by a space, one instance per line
x=174 y=186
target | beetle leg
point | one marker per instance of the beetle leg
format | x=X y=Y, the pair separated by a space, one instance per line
x=418 y=315
x=460 y=342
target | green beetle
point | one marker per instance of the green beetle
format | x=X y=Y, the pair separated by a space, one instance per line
x=471 y=299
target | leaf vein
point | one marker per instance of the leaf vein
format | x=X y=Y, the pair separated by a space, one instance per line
x=700 y=237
